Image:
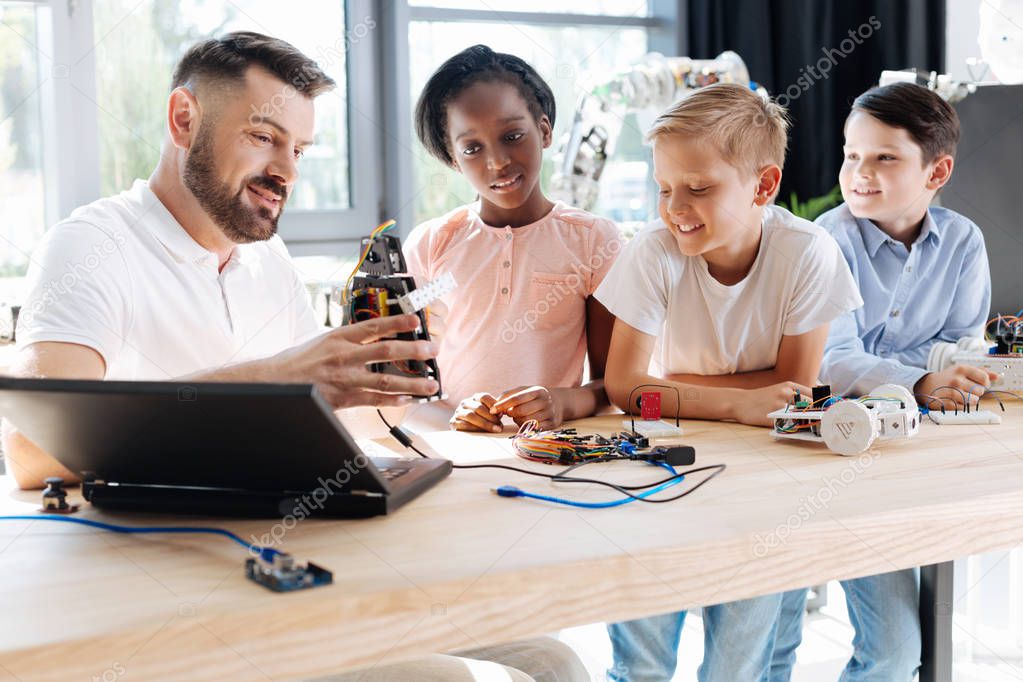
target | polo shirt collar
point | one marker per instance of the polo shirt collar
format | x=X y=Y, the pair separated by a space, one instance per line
x=173 y=236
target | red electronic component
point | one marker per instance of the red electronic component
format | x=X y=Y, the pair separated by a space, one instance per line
x=650 y=406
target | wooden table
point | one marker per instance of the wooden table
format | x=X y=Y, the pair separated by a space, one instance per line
x=461 y=567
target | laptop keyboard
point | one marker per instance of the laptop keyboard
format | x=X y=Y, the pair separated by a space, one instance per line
x=393 y=471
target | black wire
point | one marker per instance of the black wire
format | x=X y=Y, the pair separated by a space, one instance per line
x=384 y=419
x=623 y=489
x=932 y=398
x=1000 y=403
x=982 y=394
x=678 y=403
x=561 y=478
x=552 y=477
x=407 y=442
x=960 y=392
x=1014 y=395
x=403 y=438
x=718 y=469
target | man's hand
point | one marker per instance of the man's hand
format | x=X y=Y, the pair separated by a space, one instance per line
x=755 y=404
x=972 y=381
x=337 y=363
x=473 y=414
x=531 y=402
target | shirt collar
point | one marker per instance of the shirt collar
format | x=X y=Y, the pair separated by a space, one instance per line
x=173 y=236
x=874 y=236
x=243 y=254
x=931 y=230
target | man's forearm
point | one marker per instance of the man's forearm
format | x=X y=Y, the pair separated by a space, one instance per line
x=254 y=371
x=27 y=463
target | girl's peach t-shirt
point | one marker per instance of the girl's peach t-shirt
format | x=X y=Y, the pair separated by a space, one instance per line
x=518 y=314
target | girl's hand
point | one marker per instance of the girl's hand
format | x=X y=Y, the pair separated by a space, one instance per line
x=531 y=402
x=474 y=414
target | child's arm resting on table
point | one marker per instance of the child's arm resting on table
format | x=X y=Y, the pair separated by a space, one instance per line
x=627 y=368
x=852 y=370
x=799 y=360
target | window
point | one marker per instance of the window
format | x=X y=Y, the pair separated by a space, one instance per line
x=567 y=57
x=138 y=47
x=83 y=89
x=23 y=213
x=83 y=86
x=598 y=7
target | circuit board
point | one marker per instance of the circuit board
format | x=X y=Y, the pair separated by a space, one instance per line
x=282 y=574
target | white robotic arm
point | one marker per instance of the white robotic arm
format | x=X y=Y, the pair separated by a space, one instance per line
x=655 y=84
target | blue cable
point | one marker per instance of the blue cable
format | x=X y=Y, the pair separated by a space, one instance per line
x=265 y=553
x=512 y=491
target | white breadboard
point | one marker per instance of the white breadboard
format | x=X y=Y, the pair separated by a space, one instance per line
x=653 y=429
x=1009 y=368
x=419 y=298
x=962 y=417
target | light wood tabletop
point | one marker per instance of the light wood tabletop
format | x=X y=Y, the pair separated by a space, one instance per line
x=461 y=567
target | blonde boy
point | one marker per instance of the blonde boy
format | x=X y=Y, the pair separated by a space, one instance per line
x=735 y=295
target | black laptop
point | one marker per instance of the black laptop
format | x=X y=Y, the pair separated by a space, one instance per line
x=257 y=450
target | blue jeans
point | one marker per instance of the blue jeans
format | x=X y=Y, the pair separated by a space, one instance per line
x=884 y=611
x=738 y=641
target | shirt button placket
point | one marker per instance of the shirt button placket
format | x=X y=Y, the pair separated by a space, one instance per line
x=506 y=257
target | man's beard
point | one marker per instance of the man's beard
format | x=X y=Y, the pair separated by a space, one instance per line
x=240 y=223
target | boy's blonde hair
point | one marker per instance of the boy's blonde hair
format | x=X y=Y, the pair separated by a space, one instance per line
x=749 y=131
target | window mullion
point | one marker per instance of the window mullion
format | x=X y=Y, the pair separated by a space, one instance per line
x=69 y=103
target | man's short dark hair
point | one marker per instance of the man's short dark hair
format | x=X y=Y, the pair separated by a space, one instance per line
x=228 y=58
x=930 y=121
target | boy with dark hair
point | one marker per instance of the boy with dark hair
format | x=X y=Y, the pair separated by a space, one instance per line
x=923 y=274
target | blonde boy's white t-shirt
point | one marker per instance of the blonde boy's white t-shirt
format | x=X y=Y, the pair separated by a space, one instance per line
x=798 y=282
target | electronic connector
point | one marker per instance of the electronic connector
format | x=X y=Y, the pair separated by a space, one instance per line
x=417 y=299
x=974 y=417
x=280 y=573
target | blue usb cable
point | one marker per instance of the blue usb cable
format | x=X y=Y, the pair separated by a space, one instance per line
x=512 y=491
x=265 y=553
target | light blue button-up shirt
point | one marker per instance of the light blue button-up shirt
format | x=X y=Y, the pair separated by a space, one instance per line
x=938 y=290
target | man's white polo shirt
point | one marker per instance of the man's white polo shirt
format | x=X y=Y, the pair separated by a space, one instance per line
x=122 y=277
